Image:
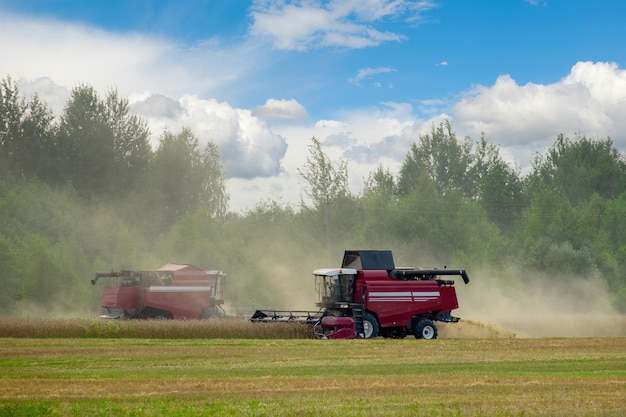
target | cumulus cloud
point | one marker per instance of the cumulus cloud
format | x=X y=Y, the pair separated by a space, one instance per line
x=158 y=106
x=381 y=138
x=280 y=109
x=366 y=138
x=248 y=147
x=48 y=91
x=591 y=100
x=302 y=25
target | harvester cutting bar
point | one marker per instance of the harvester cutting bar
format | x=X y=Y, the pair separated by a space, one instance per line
x=287 y=316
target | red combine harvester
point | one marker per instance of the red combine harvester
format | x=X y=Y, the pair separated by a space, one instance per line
x=369 y=297
x=174 y=291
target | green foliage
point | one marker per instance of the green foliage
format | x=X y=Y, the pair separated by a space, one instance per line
x=325 y=182
x=475 y=170
x=188 y=177
x=446 y=226
x=380 y=185
x=26 y=132
x=580 y=168
x=498 y=187
x=613 y=221
x=327 y=187
x=101 y=149
x=442 y=158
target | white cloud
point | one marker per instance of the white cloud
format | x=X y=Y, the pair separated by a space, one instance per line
x=303 y=25
x=248 y=147
x=328 y=123
x=72 y=54
x=591 y=100
x=61 y=51
x=366 y=73
x=48 y=91
x=280 y=109
x=156 y=106
x=246 y=194
x=366 y=138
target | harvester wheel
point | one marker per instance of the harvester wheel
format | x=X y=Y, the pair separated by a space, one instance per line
x=210 y=313
x=155 y=314
x=370 y=325
x=425 y=329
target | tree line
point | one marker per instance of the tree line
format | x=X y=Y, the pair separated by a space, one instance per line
x=85 y=192
x=99 y=149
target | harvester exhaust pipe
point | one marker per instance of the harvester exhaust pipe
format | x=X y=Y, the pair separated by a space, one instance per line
x=464 y=276
x=96 y=277
x=99 y=275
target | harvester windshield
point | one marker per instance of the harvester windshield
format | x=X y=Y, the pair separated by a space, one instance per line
x=334 y=285
x=217 y=279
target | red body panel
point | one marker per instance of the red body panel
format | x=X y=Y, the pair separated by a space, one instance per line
x=395 y=302
x=337 y=322
x=120 y=297
x=338 y=327
x=343 y=333
x=182 y=302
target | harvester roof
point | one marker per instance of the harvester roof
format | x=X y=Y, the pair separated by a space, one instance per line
x=368 y=260
x=179 y=267
x=333 y=272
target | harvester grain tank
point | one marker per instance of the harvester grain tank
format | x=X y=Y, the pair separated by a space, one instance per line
x=368 y=296
x=174 y=291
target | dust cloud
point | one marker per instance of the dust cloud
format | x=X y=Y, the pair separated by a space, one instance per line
x=278 y=277
x=538 y=305
x=56 y=309
x=469 y=329
x=289 y=286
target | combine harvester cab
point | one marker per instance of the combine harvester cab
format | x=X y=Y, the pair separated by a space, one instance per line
x=369 y=297
x=174 y=291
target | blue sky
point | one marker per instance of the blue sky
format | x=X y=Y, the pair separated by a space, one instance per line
x=260 y=78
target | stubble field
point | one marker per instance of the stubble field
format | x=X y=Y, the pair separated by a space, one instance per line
x=92 y=368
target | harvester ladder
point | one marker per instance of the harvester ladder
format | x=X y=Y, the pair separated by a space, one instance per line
x=357 y=316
